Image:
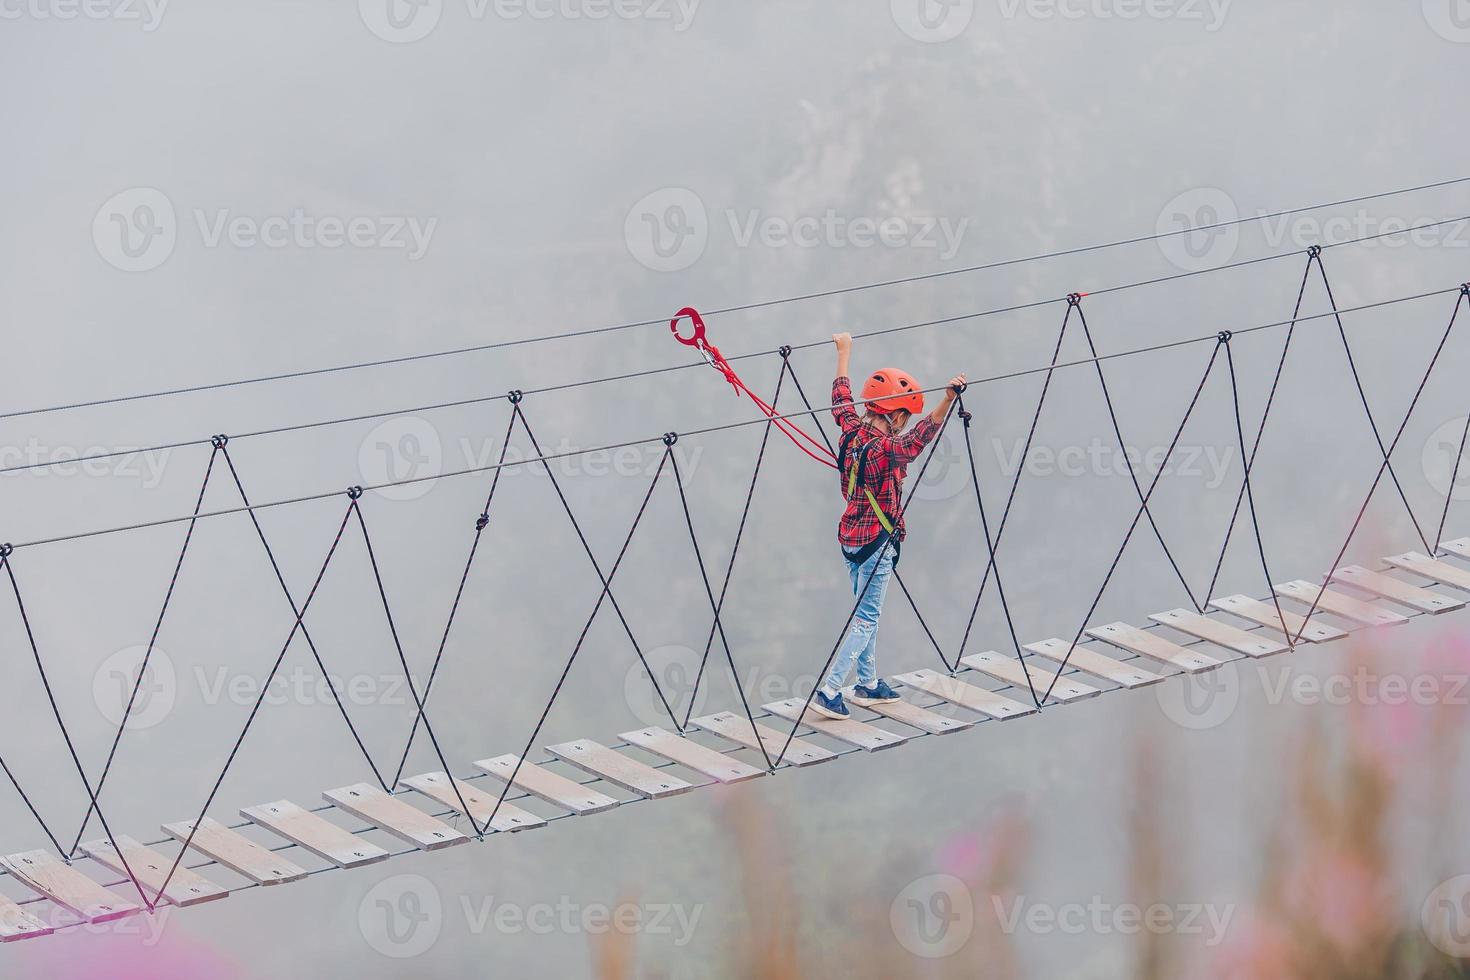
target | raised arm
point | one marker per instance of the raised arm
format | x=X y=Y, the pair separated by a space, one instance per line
x=907 y=447
x=842 y=409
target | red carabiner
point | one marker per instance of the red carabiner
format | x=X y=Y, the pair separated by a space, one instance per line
x=697 y=340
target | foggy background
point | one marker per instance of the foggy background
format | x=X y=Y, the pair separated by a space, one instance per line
x=566 y=171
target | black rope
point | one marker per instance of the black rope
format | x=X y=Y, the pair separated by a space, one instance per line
x=1367 y=409
x=148 y=653
x=923 y=623
x=990 y=550
x=259 y=700
x=305 y=633
x=847 y=624
x=1251 y=498
x=367 y=541
x=709 y=591
x=755 y=473
x=606 y=580
x=32 y=807
x=1352 y=532
x=602 y=597
x=1261 y=429
x=1173 y=443
x=66 y=734
x=481 y=523
x=1123 y=451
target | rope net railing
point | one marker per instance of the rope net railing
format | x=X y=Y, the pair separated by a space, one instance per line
x=1220 y=364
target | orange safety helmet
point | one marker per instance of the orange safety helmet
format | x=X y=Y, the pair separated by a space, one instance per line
x=892 y=381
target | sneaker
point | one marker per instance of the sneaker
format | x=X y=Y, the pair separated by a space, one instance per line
x=879 y=693
x=831 y=707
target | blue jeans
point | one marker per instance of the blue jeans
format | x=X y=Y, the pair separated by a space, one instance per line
x=861 y=644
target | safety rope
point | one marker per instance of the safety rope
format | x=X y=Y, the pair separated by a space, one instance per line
x=148 y=651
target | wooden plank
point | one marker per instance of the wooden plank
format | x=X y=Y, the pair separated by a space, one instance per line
x=1432 y=568
x=547 y=785
x=849 y=730
x=68 y=887
x=237 y=852
x=737 y=729
x=185 y=887
x=605 y=763
x=436 y=786
x=1096 y=664
x=307 y=830
x=1220 y=634
x=691 y=755
x=1338 y=604
x=1459 y=547
x=1154 y=647
x=1009 y=670
x=395 y=816
x=967 y=696
x=17 y=924
x=1265 y=614
x=923 y=719
x=1397 y=590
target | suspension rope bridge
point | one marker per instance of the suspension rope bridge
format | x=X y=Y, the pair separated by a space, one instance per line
x=437 y=809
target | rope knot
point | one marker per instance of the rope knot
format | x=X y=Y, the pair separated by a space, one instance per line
x=219 y=441
x=1315 y=252
x=670 y=438
x=960 y=389
x=354 y=493
x=6 y=550
x=785 y=352
x=1465 y=289
x=1224 y=336
x=1074 y=299
x=482 y=522
x=966 y=417
x=515 y=395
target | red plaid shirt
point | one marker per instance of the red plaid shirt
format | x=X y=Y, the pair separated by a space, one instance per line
x=883 y=473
